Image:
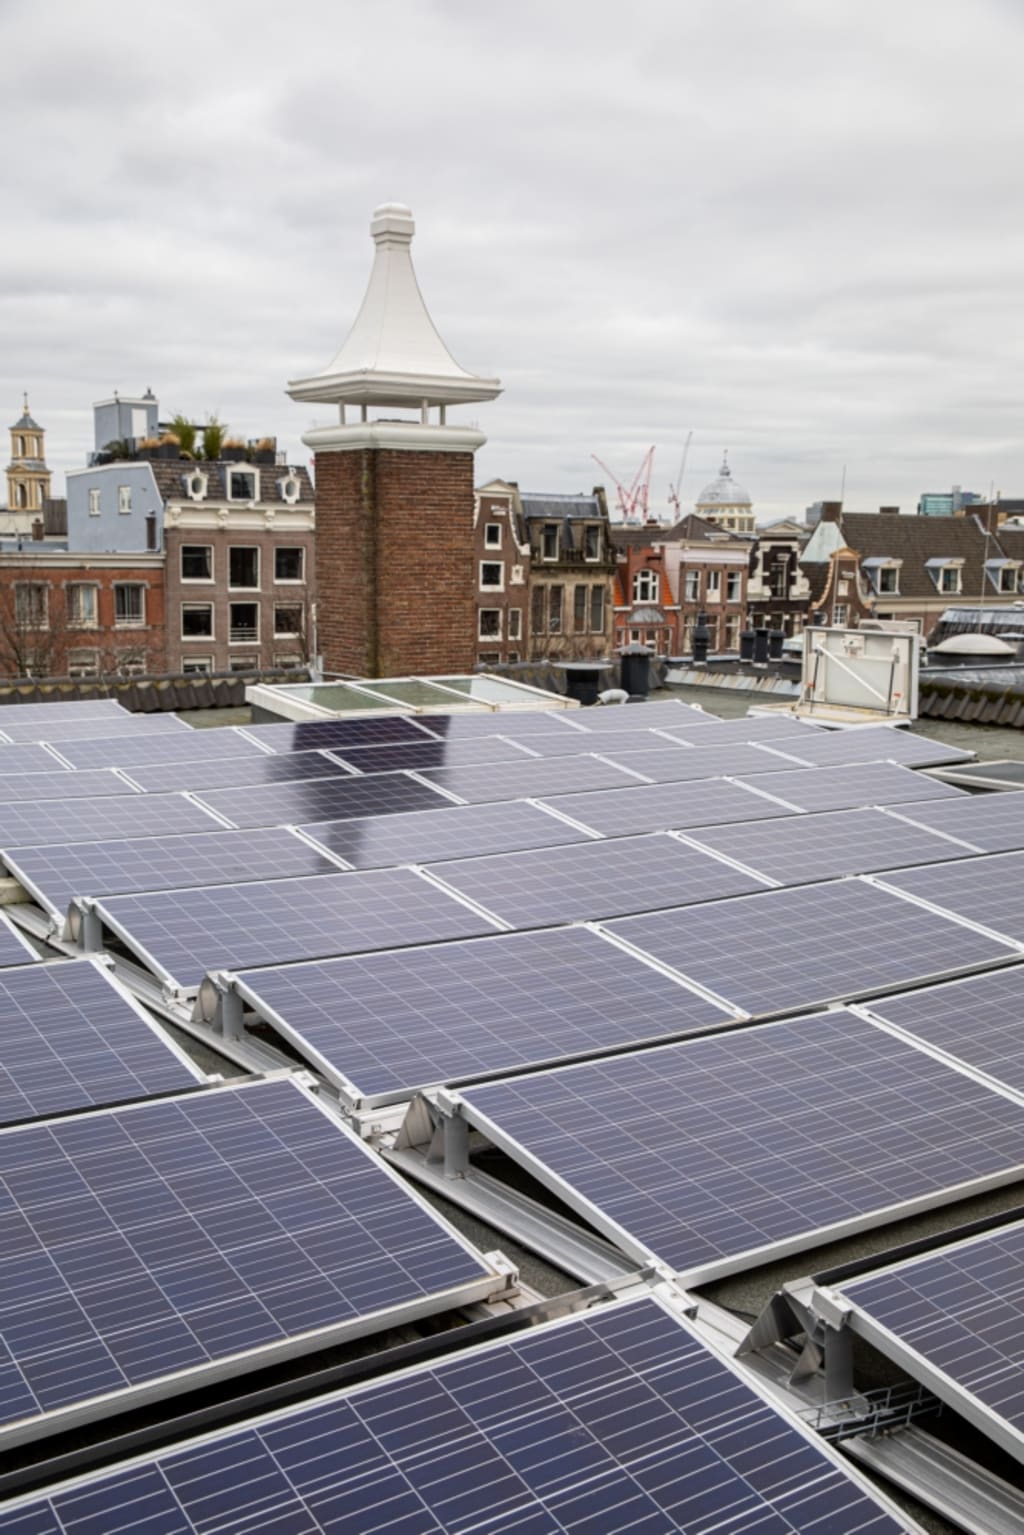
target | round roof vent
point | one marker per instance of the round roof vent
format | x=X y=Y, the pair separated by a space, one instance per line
x=973 y=645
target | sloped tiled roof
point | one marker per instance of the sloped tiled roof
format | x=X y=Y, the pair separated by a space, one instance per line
x=170 y=475
x=556 y=508
x=914 y=540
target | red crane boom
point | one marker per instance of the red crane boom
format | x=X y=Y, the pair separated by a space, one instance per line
x=634 y=499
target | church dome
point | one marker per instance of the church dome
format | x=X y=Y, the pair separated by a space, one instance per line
x=724 y=491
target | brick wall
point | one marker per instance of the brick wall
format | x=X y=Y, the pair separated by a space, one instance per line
x=394 y=561
x=268 y=648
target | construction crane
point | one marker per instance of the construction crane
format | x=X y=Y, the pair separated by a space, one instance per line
x=675 y=490
x=633 y=500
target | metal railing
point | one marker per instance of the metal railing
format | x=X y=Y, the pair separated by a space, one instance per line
x=873 y=1412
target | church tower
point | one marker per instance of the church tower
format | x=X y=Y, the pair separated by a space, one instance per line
x=28 y=479
x=394 y=497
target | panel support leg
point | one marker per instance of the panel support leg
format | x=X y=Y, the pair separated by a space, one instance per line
x=838 y=1364
x=456 y=1147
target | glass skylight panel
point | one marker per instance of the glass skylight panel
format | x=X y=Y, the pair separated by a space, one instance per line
x=877 y=743
x=978 y=1020
x=14 y=949
x=796 y=850
x=323 y=799
x=993 y=823
x=181 y=934
x=616 y=1420
x=813 y=944
x=430 y=754
x=988 y=890
x=142 y=748
x=29 y=823
x=719 y=1153
x=235 y=772
x=331 y=733
x=846 y=787
x=529 y=777
x=667 y=764
x=427 y=836
x=665 y=807
x=381 y=1026
x=72 y=1039
x=593 y=879
x=155 y=1245
x=28 y=759
x=56 y=874
x=118 y=728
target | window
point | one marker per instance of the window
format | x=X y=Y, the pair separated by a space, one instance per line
x=489 y=657
x=889 y=580
x=490 y=624
x=492 y=535
x=555 y=609
x=712 y=633
x=549 y=541
x=290 y=488
x=242 y=484
x=124 y=498
x=193 y=666
x=692 y=589
x=714 y=587
x=949 y=578
x=19 y=447
x=81 y=600
x=289 y=564
x=94 y=501
x=31 y=604
x=243 y=622
x=579 y=609
x=129 y=604
x=839 y=612
x=1008 y=579
x=515 y=623
x=592 y=541
x=537 y=624
x=492 y=575
x=244 y=663
x=289 y=663
x=287 y=618
x=83 y=663
x=734 y=586
x=597 y=610
x=130 y=664
x=196 y=485
x=243 y=566
x=732 y=632
x=513 y=657
x=646 y=586
x=20 y=494
x=197 y=562
x=197 y=620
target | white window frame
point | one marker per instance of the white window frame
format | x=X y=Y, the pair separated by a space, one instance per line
x=515 y=623
x=244 y=664
x=497 y=633
x=951 y=574
x=196 y=666
x=189 y=639
x=646 y=586
x=298 y=580
x=196 y=485
x=588 y=529
x=251 y=472
x=131 y=623
x=492 y=586
x=250 y=639
x=545 y=528
x=29 y=619
x=888 y=572
x=83 y=663
x=840 y=615
x=491 y=528
x=691 y=585
x=713 y=588
x=734 y=586
x=95 y=497
x=124 y=500
x=255 y=549
x=288 y=634
x=195 y=580
x=290 y=488
x=76 y=587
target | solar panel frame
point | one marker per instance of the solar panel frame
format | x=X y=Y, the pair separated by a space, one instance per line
x=180 y=1195
x=53 y=732
x=598 y=1129
x=983 y=891
x=985 y=822
x=664 y=806
x=117 y=816
x=676 y=1432
x=65 y=783
x=513 y=723
x=419 y=755
x=15 y=948
x=235 y=772
x=530 y=778
x=143 y=748
x=33 y=757
x=57 y=1058
x=609 y=744
x=69 y=709
x=682 y=763
x=847 y=786
x=771 y=731
x=305 y=800
x=652 y=714
x=874 y=743
x=332 y=733
x=431 y=836
x=482 y=994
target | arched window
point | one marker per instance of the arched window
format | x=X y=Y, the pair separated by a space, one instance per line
x=21 y=494
x=646 y=585
x=19 y=447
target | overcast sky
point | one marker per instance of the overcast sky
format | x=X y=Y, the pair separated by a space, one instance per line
x=793 y=228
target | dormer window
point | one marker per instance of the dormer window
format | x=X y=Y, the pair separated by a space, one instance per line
x=592 y=541
x=646 y=586
x=549 y=541
x=124 y=498
x=243 y=484
x=290 y=487
x=1004 y=575
x=884 y=575
x=196 y=485
x=947 y=574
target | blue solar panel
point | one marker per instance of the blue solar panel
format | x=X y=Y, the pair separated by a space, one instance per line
x=668 y=764
x=116 y=727
x=667 y=715
x=664 y=807
x=92 y=783
x=979 y=1020
x=587 y=880
x=776 y=731
x=991 y=823
x=116 y=815
x=716 y=1153
x=334 y=733
x=430 y=754
x=426 y=836
x=141 y=748
x=324 y=799
x=100 y=709
x=528 y=725
x=28 y=759
x=877 y=743
x=385 y=1025
x=215 y=1229
x=569 y=743
x=958 y=1312
x=530 y=777
x=809 y=945
x=14 y=949
x=616 y=1422
x=988 y=890
x=181 y=934
x=55 y=874
x=848 y=786
x=233 y=772
x=72 y=1040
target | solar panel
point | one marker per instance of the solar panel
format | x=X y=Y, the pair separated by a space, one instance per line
x=992 y=823
x=61 y=783
x=663 y=807
x=154 y=1244
x=774 y=730
x=979 y=1020
x=142 y=749
x=809 y=945
x=28 y=759
x=323 y=799
x=181 y=934
x=234 y=772
x=72 y=1039
x=118 y=815
x=718 y=1153
x=844 y=788
x=986 y=890
x=675 y=764
x=56 y=874
x=517 y=724
x=114 y=728
x=427 y=836
x=330 y=733
x=953 y=1318
x=65 y=709
x=666 y=715
x=431 y=754
x=570 y=743
x=797 y=850
x=616 y=1420
x=378 y=1028
x=875 y=743
x=593 y=879
x=529 y=777
x=14 y=949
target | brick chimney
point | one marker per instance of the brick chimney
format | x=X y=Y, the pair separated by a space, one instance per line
x=888 y=511
x=831 y=511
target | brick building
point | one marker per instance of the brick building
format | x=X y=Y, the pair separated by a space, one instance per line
x=502 y=565
x=646 y=604
x=778 y=591
x=571 y=575
x=667 y=576
x=65 y=615
x=395 y=540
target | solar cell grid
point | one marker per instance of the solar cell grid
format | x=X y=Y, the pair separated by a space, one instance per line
x=173 y=1236
x=236 y=772
x=511 y=1434
x=668 y=764
x=67 y=709
x=56 y=874
x=323 y=799
x=114 y=728
x=664 y=807
x=517 y=724
x=715 y=1153
x=529 y=778
x=587 y=880
x=431 y=754
x=668 y=715
x=786 y=733
x=808 y=945
x=28 y=759
x=115 y=816
x=979 y=1020
x=183 y=934
x=408 y=1018
x=70 y=1039
x=427 y=836
x=142 y=748
x=331 y=733
x=989 y=890
x=987 y=821
x=14 y=949
x=874 y=743
x=848 y=786
x=61 y=783
x=570 y=743
x=796 y=850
